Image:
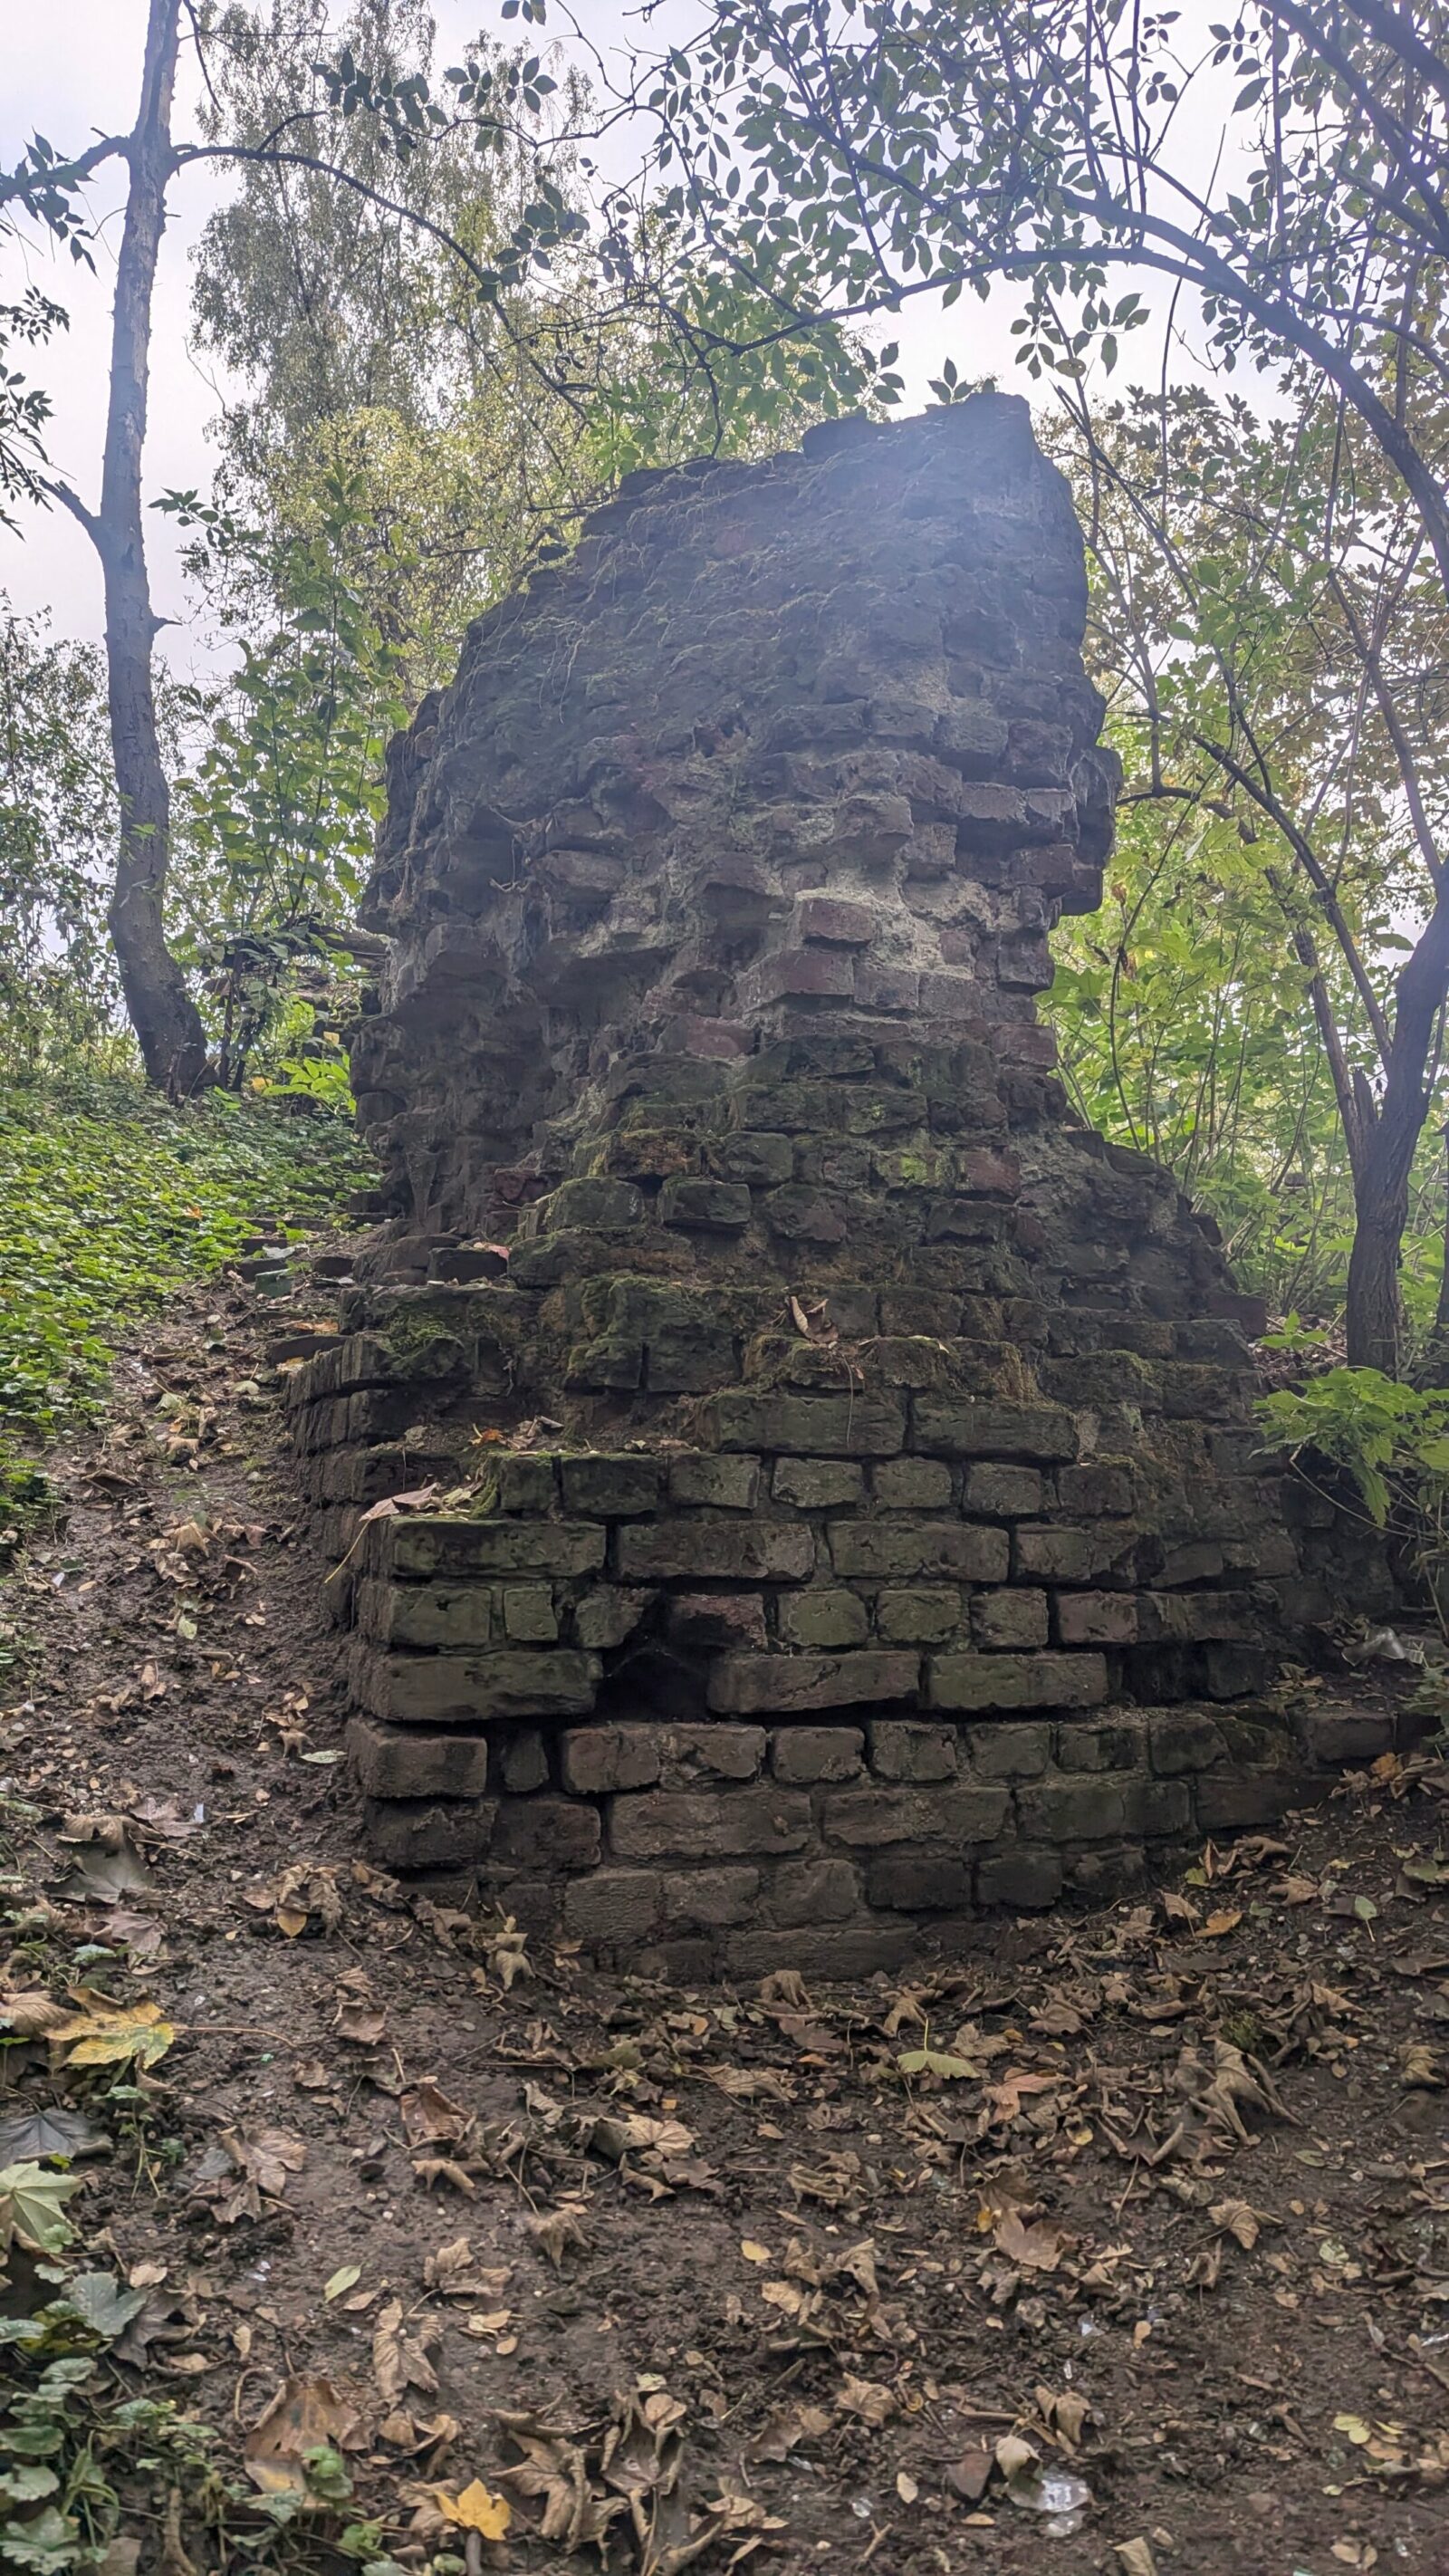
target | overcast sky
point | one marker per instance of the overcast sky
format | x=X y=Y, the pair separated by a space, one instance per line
x=72 y=70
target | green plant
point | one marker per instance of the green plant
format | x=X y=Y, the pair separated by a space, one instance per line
x=1391 y=1442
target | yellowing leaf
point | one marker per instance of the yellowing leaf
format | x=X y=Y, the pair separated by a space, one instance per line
x=106 y=2034
x=1353 y=2428
x=754 y=2253
x=475 y=2510
x=346 y=2279
x=1219 y=1925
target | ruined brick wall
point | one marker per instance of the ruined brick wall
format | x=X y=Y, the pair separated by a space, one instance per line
x=852 y=1511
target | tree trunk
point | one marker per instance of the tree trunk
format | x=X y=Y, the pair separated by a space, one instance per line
x=163 y=1015
x=1374 y=1319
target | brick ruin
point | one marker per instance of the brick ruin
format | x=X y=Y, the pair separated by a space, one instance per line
x=846 y=1508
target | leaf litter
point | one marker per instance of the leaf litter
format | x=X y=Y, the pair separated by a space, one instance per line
x=1125 y=2231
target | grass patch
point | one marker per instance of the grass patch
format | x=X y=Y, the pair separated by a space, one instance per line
x=110 y=1199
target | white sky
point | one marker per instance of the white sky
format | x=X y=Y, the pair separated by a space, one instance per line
x=73 y=69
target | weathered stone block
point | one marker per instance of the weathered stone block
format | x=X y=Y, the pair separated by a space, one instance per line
x=807 y=1753
x=523 y=1761
x=516 y=1482
x=740 y=1685
x=614 y=1908
x=821 y=1617
x=546 y=1833
x=719 y=1207
x=1002 y=1492
x=868 y=1818
x=402 y=1762
x=529 y=1617
x=944 y=1551
x=1334 y=1735
x=708 y=1824
x=1096 y=1490
x=912 y=1485
x=606 y=1617
x=1235 y=1801
x=919 y=1883
x=812 y=1891
x=419 y=1548
x=1026 y=1876
x=1090 y=1809
x=1009 y=1618
x=1000 y=1750
x=711 y=1898
x=422 y=1690
x=1037 y=1433
x=818 y=1484
x=424 y=1614
x=408 y=1834
x=710 y=1620
x=611 y=1488
x=721 y=1484
x=1183 y=1740
x=729 y=1550
x=605 y=1756
x=903 y=1748
x=1015 y=1681
x=1095 y=1618
x=711 y=1751
x=821 y=1426
x=917 y=1617
x=844 y=1950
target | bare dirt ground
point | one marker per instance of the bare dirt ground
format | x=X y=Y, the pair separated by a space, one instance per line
x=1121 y=2243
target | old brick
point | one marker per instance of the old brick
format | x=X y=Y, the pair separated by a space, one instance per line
x=705 y=1824
x=806 y=1753
x=1346 y=1734
x=606 y=1617
x=1231 y=1802
x=1183 y=1740
x=818 y=1484
x=1109 y=1743
x=1095 y=1490
x=408 y=1834
x=1037 y=1433
x=614 y=1908
x=1088 y=1810
x=1095 y=1618
x=715 y=1207
x=710 y=1751
x=800 y=1213
x=710 y=1544
x=424 y=1547
x=903 y=1748
x=743 y=1684
x=821 y=1426
x=546 y=1832
x=1009 y=1618
x=919 y=1882
x=842 y=924
x=917 y=1617
x=611 y=1488
x=1159 y=1807
x=523 y=1761
x=1002 y=1492
x=403 y=1762
x=822 y=1617
x=760 y=1160
x=604 y=1756
x=711 y=1898
x=1001 y=1750
x=529 y=1617
x=425 y=1614
x=722 y=1484
x=710 y=1620
x=912 y=1485
x=812 y=1891
x=844 y=1950
x=516 y=1482
x=1015 y=1681
x=867 y=1818
x=944 y=1551
x=419 y=1690
x=1025 y=1876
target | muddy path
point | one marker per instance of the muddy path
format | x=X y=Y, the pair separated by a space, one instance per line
x=1121 y=2243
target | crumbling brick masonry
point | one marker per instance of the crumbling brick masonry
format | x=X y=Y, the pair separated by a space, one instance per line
x=852 y=1511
